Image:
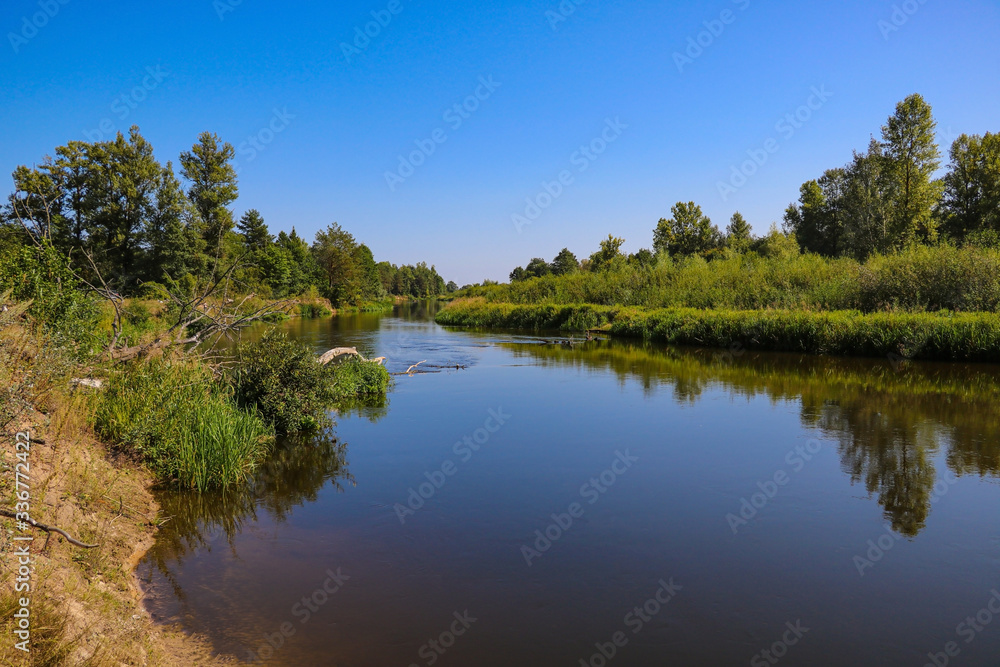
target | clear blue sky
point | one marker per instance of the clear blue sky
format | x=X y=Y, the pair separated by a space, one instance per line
x=229 y=66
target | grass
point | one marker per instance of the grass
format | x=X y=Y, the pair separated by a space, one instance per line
x=918 y=279
x=943 y=336
x=182 y=424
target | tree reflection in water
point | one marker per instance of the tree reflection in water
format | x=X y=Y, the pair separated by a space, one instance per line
x=889 y=421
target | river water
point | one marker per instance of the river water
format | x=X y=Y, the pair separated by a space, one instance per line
x=525 y=502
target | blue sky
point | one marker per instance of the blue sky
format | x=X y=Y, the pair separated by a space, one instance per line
x=558 y=74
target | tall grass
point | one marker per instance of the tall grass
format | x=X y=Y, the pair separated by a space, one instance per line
x=182 y=424
x=918 y=279
x=948 y=336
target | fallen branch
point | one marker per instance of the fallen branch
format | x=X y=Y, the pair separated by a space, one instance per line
x=48 y=529
x=410 y=369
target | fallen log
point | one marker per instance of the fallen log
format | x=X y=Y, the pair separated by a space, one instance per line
x=338 y=352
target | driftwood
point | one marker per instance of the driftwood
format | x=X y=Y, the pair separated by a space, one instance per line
x=336 y=353
x=411 y=368
x=48 y=529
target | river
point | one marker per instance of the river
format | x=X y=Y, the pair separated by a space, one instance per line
x=525 y=502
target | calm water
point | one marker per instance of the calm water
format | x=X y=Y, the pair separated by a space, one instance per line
x=701 y=507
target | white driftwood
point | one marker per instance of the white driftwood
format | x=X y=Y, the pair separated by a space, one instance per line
x=338 y=352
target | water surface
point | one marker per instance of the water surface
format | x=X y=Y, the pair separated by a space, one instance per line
x=700 y=506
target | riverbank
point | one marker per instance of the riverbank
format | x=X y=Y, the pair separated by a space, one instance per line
x=941 y=336
x=85 y=604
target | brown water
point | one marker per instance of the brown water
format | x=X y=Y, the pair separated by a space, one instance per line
x=692 y=507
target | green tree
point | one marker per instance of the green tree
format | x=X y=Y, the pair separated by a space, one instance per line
x=305 y=271
x=208 y=167
x=866 y=204
x=687 y=232
x=565 y=262
x=537 y=268
x=123 y=199
x=254 y=230
x=738 y=233
x=971 y=200
x=176 y=247
x=610 y=249
x=334 y=251
x=369 y=285
x=911 y=157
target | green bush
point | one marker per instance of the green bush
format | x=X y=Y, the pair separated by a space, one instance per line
x=182 y=424
x=356 y=379
x=283 y=380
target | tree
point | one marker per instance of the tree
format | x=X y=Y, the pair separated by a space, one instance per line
x=738 y=233
x=688 y=232
x=334 y=251
x=971 y=200
x=537 y=268
x=518 y=274
x=176 y=247
x=452 y=286
x=866 y=204
x=369 y=285
x=565 y=262
x=213 y=186
x=911 y=157
x=126 y=178
x=304 y=271
x=610 y=249
x=254 y=230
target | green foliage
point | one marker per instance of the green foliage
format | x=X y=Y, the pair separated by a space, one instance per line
x=610 y=250
x=739 y=235
x=957 y=337
x=971 y=203
x=687 y=232
x=314 y=310
x=254 y=230
x=355 y=380
x=183 y=424
x=282 y=379
x=41 y=275
x=208 y=166
x=778 y=276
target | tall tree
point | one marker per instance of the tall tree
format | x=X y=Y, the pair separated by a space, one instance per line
x=207 y=166
x=911 y=157
x=687 y=232
x=126 y=177
x=610 y=249
x=972 y=186
x=565 y=262
x=334 y=251
x=176 y=247
x=866 y=204
x=738 y=232
x=254 y=231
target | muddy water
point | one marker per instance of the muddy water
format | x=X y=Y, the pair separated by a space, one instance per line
x=607 y=503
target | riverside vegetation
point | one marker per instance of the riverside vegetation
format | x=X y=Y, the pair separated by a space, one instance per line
x=111 y=291
x=877 y=258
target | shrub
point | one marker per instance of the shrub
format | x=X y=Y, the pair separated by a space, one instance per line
x=283 y=380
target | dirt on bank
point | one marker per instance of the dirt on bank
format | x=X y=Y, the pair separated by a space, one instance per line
x=85 y=604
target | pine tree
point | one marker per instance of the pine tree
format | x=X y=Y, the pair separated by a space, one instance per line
x=254 y=231
x=213 y=187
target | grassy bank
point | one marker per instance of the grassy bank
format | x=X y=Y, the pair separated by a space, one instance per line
x=918 y=279
x=943 y=336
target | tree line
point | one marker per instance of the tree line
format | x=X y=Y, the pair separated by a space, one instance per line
x=883 y=200
x=127 y=220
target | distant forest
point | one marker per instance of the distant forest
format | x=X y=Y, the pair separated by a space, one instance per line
x=126 y=220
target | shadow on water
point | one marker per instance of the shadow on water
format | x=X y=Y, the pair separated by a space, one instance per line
x=889 y=419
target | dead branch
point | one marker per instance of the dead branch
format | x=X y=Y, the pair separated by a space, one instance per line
x=49 y=529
